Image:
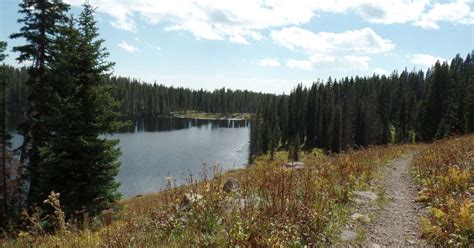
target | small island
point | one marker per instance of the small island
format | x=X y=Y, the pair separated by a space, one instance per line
x=209 y=116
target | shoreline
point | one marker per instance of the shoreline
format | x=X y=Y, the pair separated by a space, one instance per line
x=208 y=116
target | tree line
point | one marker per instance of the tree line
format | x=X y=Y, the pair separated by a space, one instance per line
x=137 y=98
x=363 y=111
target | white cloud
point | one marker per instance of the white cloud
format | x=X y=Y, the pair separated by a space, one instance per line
x=200 y=29
x=126 y=24
x=425 y=59
x=456 y=12
x=348 y=49
x=269 y=62
x=127 y=47
x=359 y=41
x=244 y=20
x=390 y=12
x=306 y=65
x=360 y=63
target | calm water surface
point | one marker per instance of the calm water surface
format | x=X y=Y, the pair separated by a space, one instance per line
x=156 y=148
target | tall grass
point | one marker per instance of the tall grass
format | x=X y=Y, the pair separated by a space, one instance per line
x=275 y=206
x=446 y=171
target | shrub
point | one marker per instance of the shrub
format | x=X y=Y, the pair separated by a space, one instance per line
x=445 y=170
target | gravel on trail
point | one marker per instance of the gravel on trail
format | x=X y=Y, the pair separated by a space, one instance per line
x=396 y=223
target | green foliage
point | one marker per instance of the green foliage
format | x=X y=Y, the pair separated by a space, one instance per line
x=365 y=111
x=3 y=47
x=40 y=23
x=64 y=143
x=470 y=105
x=4 y=142
x=78 y=161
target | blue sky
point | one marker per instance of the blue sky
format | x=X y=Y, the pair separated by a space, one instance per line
x=270 y=45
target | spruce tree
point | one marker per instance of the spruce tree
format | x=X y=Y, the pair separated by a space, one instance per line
x=296 y=148
x=4 y=139
x=347 y=122
x=431 y=112
x=470 y=105
x=80 y=162
x=336 y=130
x=41 y=20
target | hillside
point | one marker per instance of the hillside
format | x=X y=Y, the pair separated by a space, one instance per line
x=333 y=199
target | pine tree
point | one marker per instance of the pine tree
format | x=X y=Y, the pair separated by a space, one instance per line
x=347 y=122
x=4 y=139
x=41 y=21
x=255 y=133
x=384 y=112
x=311 y=117
x=470 y=105
x=80 y=162
x=336 y=130
x=296 y=148
x=432 y=112
x=283 y=119
x=272 y=146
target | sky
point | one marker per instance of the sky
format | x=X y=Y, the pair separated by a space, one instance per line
x=270 y=45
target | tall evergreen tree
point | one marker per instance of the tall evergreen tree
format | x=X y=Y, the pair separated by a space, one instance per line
x=347 y=134
x=336 y=130
x=41 y=20
x=80 y=162
x=431 y=108
x=4 y=139
x=470 y=105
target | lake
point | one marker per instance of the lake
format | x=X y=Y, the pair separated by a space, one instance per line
x=155 y=148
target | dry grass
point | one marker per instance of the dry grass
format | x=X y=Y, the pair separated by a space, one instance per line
x=275 y=206
x=446 y=171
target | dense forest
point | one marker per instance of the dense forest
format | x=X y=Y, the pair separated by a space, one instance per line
x=138 y=99
x=363 y=111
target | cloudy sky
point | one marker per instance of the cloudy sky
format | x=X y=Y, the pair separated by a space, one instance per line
x=271 y=45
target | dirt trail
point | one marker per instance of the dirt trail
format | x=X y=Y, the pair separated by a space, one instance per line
x=396 y=224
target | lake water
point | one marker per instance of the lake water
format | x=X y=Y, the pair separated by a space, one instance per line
x=154 y=149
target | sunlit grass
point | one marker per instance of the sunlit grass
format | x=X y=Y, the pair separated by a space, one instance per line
x=446 y=171
x=275 y=206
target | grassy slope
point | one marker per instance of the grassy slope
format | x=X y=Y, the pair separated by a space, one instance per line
x=446 y=171
x=283 y=207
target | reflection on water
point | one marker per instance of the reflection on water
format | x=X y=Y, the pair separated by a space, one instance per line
x=154 y=124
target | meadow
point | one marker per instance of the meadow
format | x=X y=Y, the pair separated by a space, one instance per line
x=445 y=169
x=275 y=206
